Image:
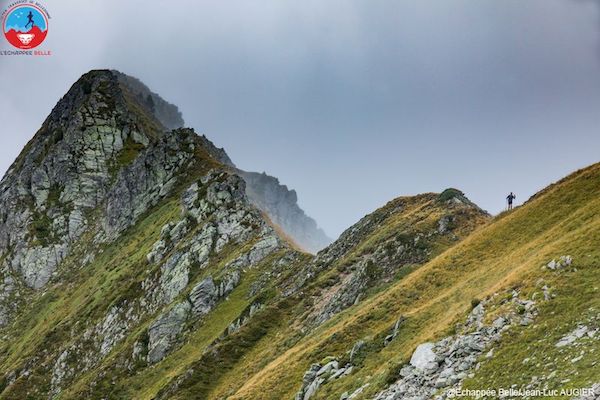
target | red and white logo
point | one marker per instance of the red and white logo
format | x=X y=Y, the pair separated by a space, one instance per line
x=25 y=26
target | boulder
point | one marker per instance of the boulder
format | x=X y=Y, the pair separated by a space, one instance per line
x=424 y=358
x=203 y=297
x=164 y=330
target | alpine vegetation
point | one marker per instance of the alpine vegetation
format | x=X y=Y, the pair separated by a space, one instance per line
x=138 y=262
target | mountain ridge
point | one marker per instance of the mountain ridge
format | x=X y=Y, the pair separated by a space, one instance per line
x=135 y=264
x=265 y=191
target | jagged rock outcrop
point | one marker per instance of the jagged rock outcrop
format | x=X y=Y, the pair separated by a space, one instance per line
x=281 y=205
x=66 y=171
x=435 y=367
x=102 y=162
x=148 y=179
x=318 y=375
x=165 y=329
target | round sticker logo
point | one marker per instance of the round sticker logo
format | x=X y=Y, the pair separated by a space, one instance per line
x=25 y=26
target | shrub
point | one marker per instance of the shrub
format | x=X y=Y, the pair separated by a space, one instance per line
x=449 y=194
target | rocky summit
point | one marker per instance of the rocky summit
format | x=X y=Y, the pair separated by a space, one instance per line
x=138 y=262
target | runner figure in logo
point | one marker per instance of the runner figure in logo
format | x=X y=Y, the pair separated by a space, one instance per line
x=30 y=18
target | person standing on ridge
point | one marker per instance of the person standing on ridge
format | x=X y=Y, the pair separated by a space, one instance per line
x=30 y=20
x=510 y=199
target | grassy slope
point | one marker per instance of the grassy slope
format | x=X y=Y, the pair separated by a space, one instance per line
x=268 y=357
x=402 y=218
x=400 y=221
x=508 y=252
x=88 y=293
x=268 y=335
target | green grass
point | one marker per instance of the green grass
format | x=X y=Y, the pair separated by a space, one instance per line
x=575 y=301
x=89 y=292
x=267 y=358
x=508 y=252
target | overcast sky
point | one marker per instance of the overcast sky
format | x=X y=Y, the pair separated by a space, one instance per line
x=351 y=103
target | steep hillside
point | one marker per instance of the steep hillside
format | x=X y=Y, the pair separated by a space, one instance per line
x=384 y=246
x=516 y=303
x=348 y=272
x=119 y=242
x=136 y=264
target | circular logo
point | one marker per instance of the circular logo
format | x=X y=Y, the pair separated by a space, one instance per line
x=25 y=26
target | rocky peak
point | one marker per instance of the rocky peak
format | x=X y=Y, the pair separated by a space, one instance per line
x=74 y=163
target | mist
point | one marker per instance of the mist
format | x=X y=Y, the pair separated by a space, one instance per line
x=351 y=103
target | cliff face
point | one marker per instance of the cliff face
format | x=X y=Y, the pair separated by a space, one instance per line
x=281 y=204
x=264 y=191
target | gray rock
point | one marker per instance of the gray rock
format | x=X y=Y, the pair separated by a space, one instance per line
x=263 y=248
x=499 y=322
x=423 y=357
x=563 y=262
x=174 y=276
x=203 y=297
x=59 y=372
x=308 y=387
x=572 y=337
x=37 y=264
x=163 y=332
x=147 y=180
x=328 y=368
x=281 y=205
x=112 y=329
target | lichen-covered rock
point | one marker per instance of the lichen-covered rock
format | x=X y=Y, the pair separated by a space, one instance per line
x=203 y=296
x=37 y=264
x=59 y=372
x=259 y=251
x=63 y=174
x=163 y=332
x=174 y=276
x=149 y=178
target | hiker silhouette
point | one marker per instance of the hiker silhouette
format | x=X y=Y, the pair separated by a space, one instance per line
x=30 y=19
x=510 y=199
